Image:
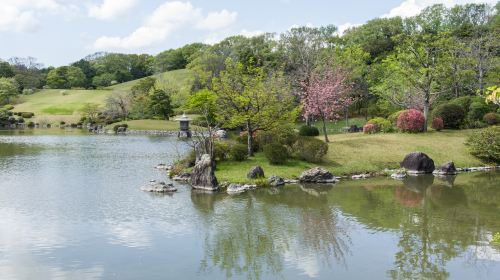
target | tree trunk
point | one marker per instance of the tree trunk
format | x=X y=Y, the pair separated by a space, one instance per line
x=324 y=130
x=250 y=139
x=426 y=111
x=308 y=121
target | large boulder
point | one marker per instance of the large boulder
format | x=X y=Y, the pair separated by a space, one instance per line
x=417 y=163
x=446 y=169
x=275 y=181
x=255 y=173
x=159 y=187
x=203 y=176
x=317 y=175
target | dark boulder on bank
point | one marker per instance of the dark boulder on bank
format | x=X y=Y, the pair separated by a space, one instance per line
x=203 y=176
x=418 y=163
x=446 y=169
x=275 y=181
x=317 y=175
x=255 y=173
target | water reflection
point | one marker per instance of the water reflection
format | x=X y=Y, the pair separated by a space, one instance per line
x=71 y=209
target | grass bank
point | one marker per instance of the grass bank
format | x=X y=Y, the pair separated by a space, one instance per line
x=359 y=153
x=170 y=125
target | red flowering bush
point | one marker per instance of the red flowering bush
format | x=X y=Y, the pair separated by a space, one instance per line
x=437 y=124
x=411 y=121
x=369 y=128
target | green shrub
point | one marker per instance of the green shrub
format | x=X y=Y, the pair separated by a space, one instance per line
x=453 y=115
x=239 y=152
x=491 y=118
x=20 y=120
x=310 y=149
x=285 y=136
x=307 y=130
x=221 y=150
x=8 y=107
x=477 y=110
x=27 y=115
x=116 y=127
x=276 y=153
x=485 y=144
x=31 y=125
x=393 y=118
x=243 y=139
x=381 y=125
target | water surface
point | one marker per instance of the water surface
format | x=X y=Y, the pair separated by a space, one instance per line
x=70 y=208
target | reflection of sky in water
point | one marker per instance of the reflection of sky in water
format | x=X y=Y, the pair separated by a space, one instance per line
x=70 y=208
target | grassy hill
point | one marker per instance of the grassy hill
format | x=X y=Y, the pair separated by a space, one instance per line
x=55 y=105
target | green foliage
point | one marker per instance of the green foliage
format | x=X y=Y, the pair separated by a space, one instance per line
x=393 y=118
x=204 y=102
x=117 y=126
x=160 y=104
x=496 y=238
x=66 y=77
x=239 y=152
x=453 y=115
x=27 y=115
x=491 y=118
x=276 y=153
x=103 y=80
x=485 y=144
x=476 y=111
x=174 y=59
x=90 y=111
x=284 y=135
x=143 y=86
x=310 y=149
x=6 y=70
x=308 y=130
x=9 y=88
x=222 y=150
x=382 y=125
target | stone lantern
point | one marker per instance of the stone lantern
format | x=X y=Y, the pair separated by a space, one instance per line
x=184 y=130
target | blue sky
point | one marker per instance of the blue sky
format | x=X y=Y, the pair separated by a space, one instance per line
x=59 y=32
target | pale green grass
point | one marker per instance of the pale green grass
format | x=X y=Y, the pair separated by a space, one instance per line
x=55 y=105
x=358 y=153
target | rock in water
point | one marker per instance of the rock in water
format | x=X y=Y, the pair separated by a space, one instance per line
x=276 y=181
x=317 y=175
x=255 y=172
x=203 y=176
x=418 y=163
x=236 y=188
x=446 y=169
x=158 y=187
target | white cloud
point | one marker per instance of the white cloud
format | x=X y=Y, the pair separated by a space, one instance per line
x=409 y=8
x=110 y=9
x=217 y=20
x=22 y=15
x=167 y=18
x=251 y=33
x=344 y=27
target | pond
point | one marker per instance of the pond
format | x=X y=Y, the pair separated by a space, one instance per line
x=71 y=208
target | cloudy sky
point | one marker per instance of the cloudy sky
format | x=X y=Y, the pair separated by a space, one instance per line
x=59 y=32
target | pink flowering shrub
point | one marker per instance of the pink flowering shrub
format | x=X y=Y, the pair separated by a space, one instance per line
x=411 y=121
x=437 y=124
x=369 y=128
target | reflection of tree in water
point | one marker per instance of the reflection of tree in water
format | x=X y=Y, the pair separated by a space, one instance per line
x=253 y=232
x=429 y=234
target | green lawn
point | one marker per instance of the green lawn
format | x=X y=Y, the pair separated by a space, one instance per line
x=358 y=153
x=55 y=105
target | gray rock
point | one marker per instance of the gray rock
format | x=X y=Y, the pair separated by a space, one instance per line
x=317 y=175
x=237 y=188
x=203 y=176
x=291 y=181
x=221 y=133
x=399 y=175
x=446 y=169
x=183 y=177
x=276 y=181
x=255 y=172
x=418 y=163
x=360 y=176
x=163 y=166
x=159 y=187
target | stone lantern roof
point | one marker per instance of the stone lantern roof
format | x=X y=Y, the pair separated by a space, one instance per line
x=183 y=118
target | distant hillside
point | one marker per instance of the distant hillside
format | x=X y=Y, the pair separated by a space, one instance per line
x=54 y=105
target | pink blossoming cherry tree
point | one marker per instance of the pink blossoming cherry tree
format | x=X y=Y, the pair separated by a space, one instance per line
x=327 y=96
